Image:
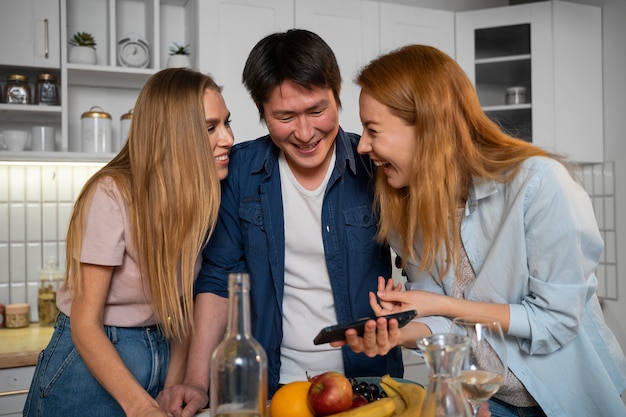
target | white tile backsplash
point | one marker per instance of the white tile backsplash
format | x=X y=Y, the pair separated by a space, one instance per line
x=33 y=184
x=4 y=222
x=4 y=183
x=17 y=185
x=598 y=179
x=35 y=205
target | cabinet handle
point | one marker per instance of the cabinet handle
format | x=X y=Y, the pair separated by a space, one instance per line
x=45 y=25
x=16 y=392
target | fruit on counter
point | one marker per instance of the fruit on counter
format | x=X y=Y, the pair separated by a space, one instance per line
x=370 y=391
x=384 y=407
x=291 y=400
x=358 y=400
x=403 y=400
x=329 y=393
x=408 y=397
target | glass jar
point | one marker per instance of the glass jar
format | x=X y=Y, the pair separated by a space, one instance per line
x=50 y=278
x=46 y=92
x=17 y=90
x=125 y=121
x=96 y=131
x=515 y=95
x=17 y=315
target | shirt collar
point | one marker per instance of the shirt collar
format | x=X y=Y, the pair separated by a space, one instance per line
x=479 y=188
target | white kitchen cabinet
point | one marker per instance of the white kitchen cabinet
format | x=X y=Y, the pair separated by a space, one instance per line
x=358 y=31
x=30 y=29
x=554 y=50
x=29 y=45
x=227 y=31
x=351 y=29
x=401 y=25
x=14 y=385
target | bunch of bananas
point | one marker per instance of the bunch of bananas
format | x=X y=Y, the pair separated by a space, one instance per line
x=403 y=400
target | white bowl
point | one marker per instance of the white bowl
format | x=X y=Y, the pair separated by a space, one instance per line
x=15 y=140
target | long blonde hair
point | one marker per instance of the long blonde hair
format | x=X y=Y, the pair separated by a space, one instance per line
x=455 y=140
x=166 y=174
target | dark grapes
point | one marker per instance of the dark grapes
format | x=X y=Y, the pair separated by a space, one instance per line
x=371 y=392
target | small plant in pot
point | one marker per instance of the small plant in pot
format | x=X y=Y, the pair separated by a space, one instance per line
x=83 y=49
x=179 y=56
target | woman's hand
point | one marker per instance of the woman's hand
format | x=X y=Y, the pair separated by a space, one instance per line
x=391 y=298
x=387 y=286
x=183 y=400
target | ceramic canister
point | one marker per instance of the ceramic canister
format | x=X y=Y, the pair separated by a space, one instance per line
x=125 y=120
x=96 y=131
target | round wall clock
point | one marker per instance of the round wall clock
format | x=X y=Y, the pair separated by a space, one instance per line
x=133 y=51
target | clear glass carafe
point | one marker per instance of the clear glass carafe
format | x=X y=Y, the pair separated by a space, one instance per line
x=444 y=353
x=239 y=363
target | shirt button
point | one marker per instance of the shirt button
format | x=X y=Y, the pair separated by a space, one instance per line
x=366 y=218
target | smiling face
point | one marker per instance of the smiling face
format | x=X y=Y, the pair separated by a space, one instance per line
x=218 y=125
x=303 y=123
x=388 y=140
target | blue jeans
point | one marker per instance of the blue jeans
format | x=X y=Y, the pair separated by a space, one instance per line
x=501 y=409
x=63 y=386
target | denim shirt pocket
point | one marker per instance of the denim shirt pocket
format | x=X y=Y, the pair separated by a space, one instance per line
x=252 y=228
x=361 y=228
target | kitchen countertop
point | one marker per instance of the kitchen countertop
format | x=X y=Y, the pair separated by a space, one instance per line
x=21 y=347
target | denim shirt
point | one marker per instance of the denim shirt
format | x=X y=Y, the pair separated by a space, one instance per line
x=534 y=244
x=249 y=236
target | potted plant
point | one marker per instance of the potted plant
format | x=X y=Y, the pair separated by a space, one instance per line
x=179 y=56
x=83 y=49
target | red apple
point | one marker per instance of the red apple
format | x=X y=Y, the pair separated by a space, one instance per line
x=358 y=400
x=329 y=393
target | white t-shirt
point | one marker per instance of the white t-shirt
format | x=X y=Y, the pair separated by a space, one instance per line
x=308 y=303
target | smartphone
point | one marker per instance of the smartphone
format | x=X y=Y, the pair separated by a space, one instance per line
x=338 y=331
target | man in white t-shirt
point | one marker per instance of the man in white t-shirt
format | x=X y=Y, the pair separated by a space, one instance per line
x=297 y=214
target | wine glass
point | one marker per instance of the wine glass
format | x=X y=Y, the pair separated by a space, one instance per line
x=485 y=367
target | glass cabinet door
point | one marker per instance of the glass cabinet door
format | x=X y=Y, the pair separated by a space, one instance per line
x=503 y=77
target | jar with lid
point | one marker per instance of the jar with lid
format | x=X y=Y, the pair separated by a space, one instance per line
x=515 y=95
x=46 y=90
x=125 y=120
x=96 y=131
x=17 y=315
x=17 y=90
x=50 y=278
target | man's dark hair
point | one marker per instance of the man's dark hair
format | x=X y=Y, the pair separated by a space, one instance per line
x=297 y=55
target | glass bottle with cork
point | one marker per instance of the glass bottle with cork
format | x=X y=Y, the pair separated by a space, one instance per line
x=239 y=363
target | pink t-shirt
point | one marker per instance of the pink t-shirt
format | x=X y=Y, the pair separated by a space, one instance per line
x=106 y=242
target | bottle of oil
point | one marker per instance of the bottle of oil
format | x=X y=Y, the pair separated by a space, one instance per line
x=50 y=277
x=239 y=363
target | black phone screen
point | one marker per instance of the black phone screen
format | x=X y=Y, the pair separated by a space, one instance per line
x=338 y=331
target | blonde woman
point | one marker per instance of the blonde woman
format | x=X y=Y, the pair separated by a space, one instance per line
x=133 y=246
x=485 y=224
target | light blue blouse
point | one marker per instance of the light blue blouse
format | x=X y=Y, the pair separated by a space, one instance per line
x=534 y=244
